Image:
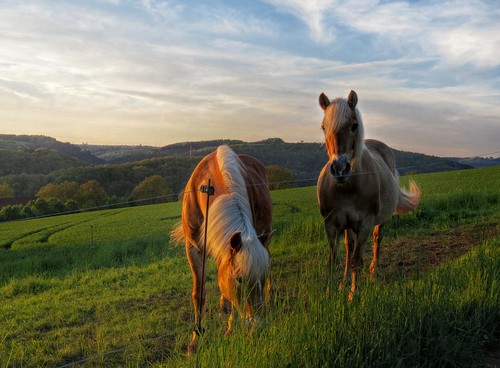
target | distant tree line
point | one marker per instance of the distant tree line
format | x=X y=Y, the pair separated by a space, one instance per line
x=68 y=196
x=65 y=177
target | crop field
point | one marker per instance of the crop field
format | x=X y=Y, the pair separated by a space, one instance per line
x=108 y=289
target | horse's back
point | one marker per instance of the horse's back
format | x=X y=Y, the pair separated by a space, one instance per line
x=383 y=151
x=387 y=177
x=193 y=200
x=193 y=206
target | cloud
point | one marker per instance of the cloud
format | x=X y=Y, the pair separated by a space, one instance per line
x=162 y=10
x=471 y=44
x=460 y=32
x=312 y=13
x=156 y=72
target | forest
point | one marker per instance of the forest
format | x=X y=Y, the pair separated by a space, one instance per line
x=60 y=177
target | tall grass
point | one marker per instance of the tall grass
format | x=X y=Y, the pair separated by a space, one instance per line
x=440 y=320
x=451 y=199
x=106 y=289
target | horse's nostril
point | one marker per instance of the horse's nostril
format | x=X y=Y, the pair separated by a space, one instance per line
x=347 y=169
x=333 y=170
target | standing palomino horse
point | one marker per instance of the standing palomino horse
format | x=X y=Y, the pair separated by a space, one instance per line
x=358 y=188
x=238 y=234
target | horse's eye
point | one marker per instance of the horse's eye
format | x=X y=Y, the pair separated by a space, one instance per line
x=354 y=127
x=323 y=128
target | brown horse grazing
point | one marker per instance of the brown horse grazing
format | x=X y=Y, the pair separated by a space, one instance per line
x=238 y=234
x=358 y=188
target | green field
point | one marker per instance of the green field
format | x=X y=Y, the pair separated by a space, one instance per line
x=107 y=289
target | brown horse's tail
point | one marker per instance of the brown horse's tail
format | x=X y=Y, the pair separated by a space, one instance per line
x=408 y=200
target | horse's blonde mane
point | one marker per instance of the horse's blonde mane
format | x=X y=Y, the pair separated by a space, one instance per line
x=337 y=117
x=231 y=213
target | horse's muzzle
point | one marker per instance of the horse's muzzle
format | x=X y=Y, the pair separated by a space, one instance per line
x=341 y=169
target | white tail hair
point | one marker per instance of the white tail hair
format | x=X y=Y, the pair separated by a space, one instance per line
x=408 y=199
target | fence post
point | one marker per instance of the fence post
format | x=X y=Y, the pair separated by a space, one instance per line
x=208 y=190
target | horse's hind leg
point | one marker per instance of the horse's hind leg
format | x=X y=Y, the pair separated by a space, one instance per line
x=377 y=239
x=195 y=259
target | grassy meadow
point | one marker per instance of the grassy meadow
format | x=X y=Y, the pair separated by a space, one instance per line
x=107 y=289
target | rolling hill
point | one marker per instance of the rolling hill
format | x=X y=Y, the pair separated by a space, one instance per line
x=29 y=162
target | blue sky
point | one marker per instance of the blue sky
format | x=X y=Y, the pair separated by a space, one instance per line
x=153 y=72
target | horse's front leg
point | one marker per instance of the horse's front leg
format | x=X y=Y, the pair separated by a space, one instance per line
x=349 y=239
x=196 y=262
x=240 y=312
x=332 y=233
x=230 y=323
x=224 y=306
x=357 y=257
x=333 y=241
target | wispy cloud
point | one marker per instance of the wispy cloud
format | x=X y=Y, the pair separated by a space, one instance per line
x=312 y=13
x=156 y=72
x=462 y=32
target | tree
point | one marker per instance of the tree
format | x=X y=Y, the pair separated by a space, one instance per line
x=65 y=191
x=71 y=205
x=11 y=213
x=40 y=207
x=47 y=191
x=279 y=177
x=6 y=191
x=154 y=188
x=56 y=206
x=91 y=194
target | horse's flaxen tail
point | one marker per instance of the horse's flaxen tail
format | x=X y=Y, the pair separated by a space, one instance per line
x=177 y=234
x=408 y=200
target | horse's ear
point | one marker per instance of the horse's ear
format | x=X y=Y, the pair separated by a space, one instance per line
x=265 y=239
x=324 y=101
x=235 y=241
x=352 y=100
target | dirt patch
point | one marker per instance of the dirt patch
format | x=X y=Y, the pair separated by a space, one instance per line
x=409 y=256
x=420 y=254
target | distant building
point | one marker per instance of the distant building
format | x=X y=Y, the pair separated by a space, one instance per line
x=15 y=201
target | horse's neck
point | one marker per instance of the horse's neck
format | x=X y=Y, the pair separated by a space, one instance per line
x=361 y=160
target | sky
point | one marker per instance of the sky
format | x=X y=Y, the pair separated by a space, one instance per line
x=151 y=72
